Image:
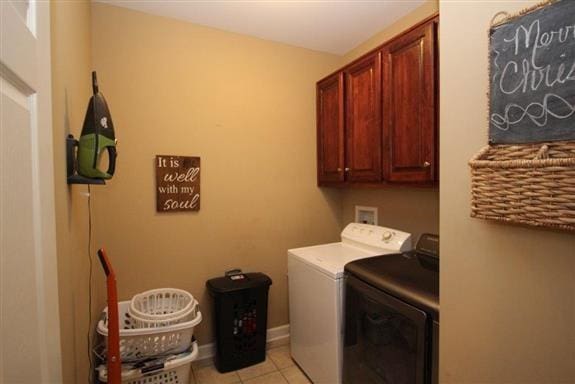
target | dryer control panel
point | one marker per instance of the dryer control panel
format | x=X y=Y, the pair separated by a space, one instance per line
x=376 y=237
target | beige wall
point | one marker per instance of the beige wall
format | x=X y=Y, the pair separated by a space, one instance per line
x=71 y=89
x=409 y=209
x=507 y=292
x=414 y=210
x=427 y=9
x=245 y=106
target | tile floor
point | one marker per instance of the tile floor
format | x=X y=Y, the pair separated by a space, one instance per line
x=278 y=368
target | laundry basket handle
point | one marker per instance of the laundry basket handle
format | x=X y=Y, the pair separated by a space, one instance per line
x=158 y=366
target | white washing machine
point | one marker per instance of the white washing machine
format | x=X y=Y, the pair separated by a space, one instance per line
x=316 y=285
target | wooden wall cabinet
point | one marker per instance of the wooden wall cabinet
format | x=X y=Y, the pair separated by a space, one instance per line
x=330 y=134
x=377 y=117
x=409 y=105
x=363 y=120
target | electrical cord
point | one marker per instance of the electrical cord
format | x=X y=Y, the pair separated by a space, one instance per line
x=91 y=371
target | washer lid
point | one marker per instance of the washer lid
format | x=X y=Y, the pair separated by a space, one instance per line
x=411 y=276
x=331 y=258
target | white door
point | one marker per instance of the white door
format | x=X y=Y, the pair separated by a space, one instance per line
x=29 y=317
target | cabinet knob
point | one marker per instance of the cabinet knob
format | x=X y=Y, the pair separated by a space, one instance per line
x=347 y=169
x=426 y=164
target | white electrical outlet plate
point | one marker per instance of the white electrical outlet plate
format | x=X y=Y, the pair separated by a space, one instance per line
x=366 y=215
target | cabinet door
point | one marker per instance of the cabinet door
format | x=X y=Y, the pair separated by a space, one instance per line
x=330 y=138
x=363 y=120
x=409 y=106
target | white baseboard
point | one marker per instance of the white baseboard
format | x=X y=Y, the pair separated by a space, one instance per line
x=276 y=337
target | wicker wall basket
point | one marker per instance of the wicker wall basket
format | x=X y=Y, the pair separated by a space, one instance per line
x=531 y=184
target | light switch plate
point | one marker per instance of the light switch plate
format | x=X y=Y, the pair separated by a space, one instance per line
x=366 y=215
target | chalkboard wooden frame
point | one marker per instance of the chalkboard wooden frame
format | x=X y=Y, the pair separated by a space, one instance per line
x=532 y=75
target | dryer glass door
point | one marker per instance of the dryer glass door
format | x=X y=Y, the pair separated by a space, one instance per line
x=384 y=338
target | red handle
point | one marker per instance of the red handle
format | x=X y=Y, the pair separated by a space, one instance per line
x=114 y=361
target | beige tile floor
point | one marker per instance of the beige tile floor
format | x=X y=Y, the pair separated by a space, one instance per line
x=279 y=368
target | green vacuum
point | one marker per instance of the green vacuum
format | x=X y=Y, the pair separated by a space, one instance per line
x=96 y=138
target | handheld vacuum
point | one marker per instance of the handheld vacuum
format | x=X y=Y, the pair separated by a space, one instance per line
x=96 y=138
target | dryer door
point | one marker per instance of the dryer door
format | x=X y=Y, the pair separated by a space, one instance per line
x=384 y=338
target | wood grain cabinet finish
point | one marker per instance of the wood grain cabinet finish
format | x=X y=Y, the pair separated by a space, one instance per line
x=363 y=120
x=377 y=117
x=409 y=106
x=330 y=134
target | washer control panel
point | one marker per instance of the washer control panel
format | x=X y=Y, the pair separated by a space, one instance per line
x=387 y=235
x=376 y=237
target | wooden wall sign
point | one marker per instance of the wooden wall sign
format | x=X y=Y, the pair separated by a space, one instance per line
x=532 y=75
x=177 y=183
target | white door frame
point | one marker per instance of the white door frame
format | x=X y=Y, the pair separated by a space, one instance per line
x=36 y=72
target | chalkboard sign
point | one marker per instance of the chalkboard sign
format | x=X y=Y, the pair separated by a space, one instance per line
x=177 y=183
x=532 y=76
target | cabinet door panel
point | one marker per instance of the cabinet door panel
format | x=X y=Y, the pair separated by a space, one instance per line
x=409 y=106
x=330 y=137
x=363 y=120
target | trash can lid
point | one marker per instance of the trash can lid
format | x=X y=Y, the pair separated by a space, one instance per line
x=238 y=282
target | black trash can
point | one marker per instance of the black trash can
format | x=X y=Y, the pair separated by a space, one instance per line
x=240 y=319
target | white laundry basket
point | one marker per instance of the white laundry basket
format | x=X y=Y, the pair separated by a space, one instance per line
x=175 y=370
x=161 y=307
x=139 y=343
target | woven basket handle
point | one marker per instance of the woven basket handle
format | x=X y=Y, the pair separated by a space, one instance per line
x=499 y=18
x=543 y=153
